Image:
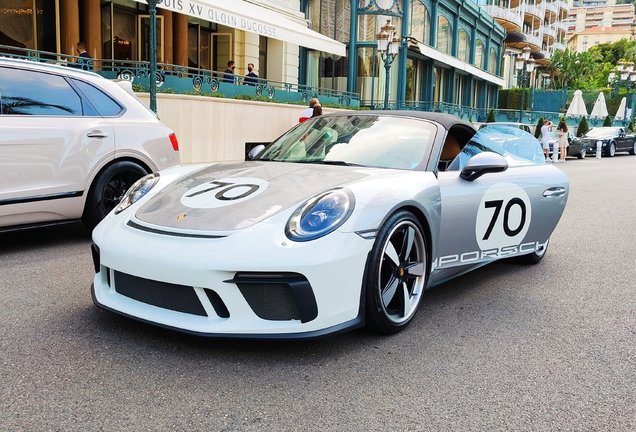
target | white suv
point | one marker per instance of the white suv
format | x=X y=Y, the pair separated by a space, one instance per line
x=71 y=143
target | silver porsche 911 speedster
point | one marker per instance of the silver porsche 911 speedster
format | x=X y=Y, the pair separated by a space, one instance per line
x=343 y=221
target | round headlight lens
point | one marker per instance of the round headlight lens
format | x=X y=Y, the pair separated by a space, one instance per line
x=320 y=215
x=137 y=191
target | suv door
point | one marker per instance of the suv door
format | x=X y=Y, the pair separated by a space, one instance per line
x=51 y=139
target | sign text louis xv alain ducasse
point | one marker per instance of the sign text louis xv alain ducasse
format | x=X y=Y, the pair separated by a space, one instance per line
x=218 y=16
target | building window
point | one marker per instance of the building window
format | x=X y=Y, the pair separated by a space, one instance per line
x=492 y=61
x=463 y=49
x=479 y=54
x=420 y=26
x=444 y=40
x=331 y=18
x=367 y=76
x=440 y=82
x=19 y=28
x=460 y=83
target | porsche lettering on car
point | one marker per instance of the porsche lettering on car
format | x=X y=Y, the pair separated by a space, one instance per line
x=342 y=222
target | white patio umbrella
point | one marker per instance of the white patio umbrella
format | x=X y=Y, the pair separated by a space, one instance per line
x=620 y=112
x=577 y=106
x=600 y=108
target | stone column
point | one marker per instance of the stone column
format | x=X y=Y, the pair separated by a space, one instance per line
x=92 y=28
x=69 y=26
x=180 y=41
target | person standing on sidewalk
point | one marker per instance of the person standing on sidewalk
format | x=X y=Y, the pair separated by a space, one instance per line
x=545 y=139
x=563 y=140
x=309 y=112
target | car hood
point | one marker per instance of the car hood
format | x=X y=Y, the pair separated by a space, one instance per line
x=228 y=197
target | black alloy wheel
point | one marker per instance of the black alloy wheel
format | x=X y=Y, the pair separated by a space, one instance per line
x=397 y=273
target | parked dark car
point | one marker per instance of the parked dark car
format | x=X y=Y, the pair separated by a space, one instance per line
x=575 y=145
x=612 y=140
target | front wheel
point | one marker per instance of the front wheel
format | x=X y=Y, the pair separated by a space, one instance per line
x=534 y=257
x=581 y=154
x=397 y=272
x=633 y=150
x=107 y=190
x=611 y=149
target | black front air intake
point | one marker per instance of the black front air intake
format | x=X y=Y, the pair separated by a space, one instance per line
x=278 y=296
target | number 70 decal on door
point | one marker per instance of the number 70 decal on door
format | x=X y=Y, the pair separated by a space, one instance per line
x=503 y=217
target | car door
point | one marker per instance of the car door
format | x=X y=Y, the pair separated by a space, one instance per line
x=497 y=214
x=47 y=143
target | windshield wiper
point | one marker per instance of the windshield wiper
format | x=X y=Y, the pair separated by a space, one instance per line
x=338 y=162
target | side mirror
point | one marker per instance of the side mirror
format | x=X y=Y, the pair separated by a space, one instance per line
x=483 y=163
x=255 y=151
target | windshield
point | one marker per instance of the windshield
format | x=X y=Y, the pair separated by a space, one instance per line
x=357 y=139
x=601 y=132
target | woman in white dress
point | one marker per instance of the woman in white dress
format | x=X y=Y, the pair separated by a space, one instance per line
x=563 y=140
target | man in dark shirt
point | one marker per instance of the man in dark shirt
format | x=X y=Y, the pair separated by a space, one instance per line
x=228 y=75
x=85 y=61
x=251 y=78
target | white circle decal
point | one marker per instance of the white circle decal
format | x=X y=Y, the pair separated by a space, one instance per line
x=503 y=217
x=223 y=192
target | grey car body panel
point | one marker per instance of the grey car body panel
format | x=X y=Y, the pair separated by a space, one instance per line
x=287 y=185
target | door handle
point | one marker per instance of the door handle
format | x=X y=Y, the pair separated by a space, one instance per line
x=97 y=134
x=554 y=192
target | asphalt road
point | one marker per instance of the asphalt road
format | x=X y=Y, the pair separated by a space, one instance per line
x=506 y=348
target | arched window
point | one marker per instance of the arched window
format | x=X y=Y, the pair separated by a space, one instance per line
x=479 y=54
x=492 y=61
x=420 y=26
x=444 y=39
x=463 y=48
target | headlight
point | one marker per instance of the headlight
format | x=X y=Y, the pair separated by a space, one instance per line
x=137 y=191
x=320 y=215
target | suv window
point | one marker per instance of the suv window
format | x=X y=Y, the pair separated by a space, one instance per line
x=24 y=92
x=103 y=103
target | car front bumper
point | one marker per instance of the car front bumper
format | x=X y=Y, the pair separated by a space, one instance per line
x=255 y=283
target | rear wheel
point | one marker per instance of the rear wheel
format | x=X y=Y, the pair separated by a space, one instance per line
x=397 y=272
x=107 y=190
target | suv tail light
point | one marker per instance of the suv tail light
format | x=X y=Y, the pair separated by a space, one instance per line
x=173 y=140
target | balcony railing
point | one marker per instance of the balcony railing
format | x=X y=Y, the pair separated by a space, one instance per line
x=512 y=16
x=186 y=80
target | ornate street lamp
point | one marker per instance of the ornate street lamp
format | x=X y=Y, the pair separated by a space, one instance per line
x=626 y=77
x=388 y=48
x=525 y=65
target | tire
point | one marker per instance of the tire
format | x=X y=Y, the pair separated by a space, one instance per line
x=534 y=257
x=581 y=155
x=393 y=290
x=107 y=190
x=611 y=150
x=633 y=150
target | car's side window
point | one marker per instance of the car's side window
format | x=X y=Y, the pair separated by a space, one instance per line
x=24 y=92
x=104 y=104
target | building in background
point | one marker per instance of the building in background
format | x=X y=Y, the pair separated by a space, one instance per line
x=539 y=24
x=581 y=41
x=451 y=51
x=586 y=15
